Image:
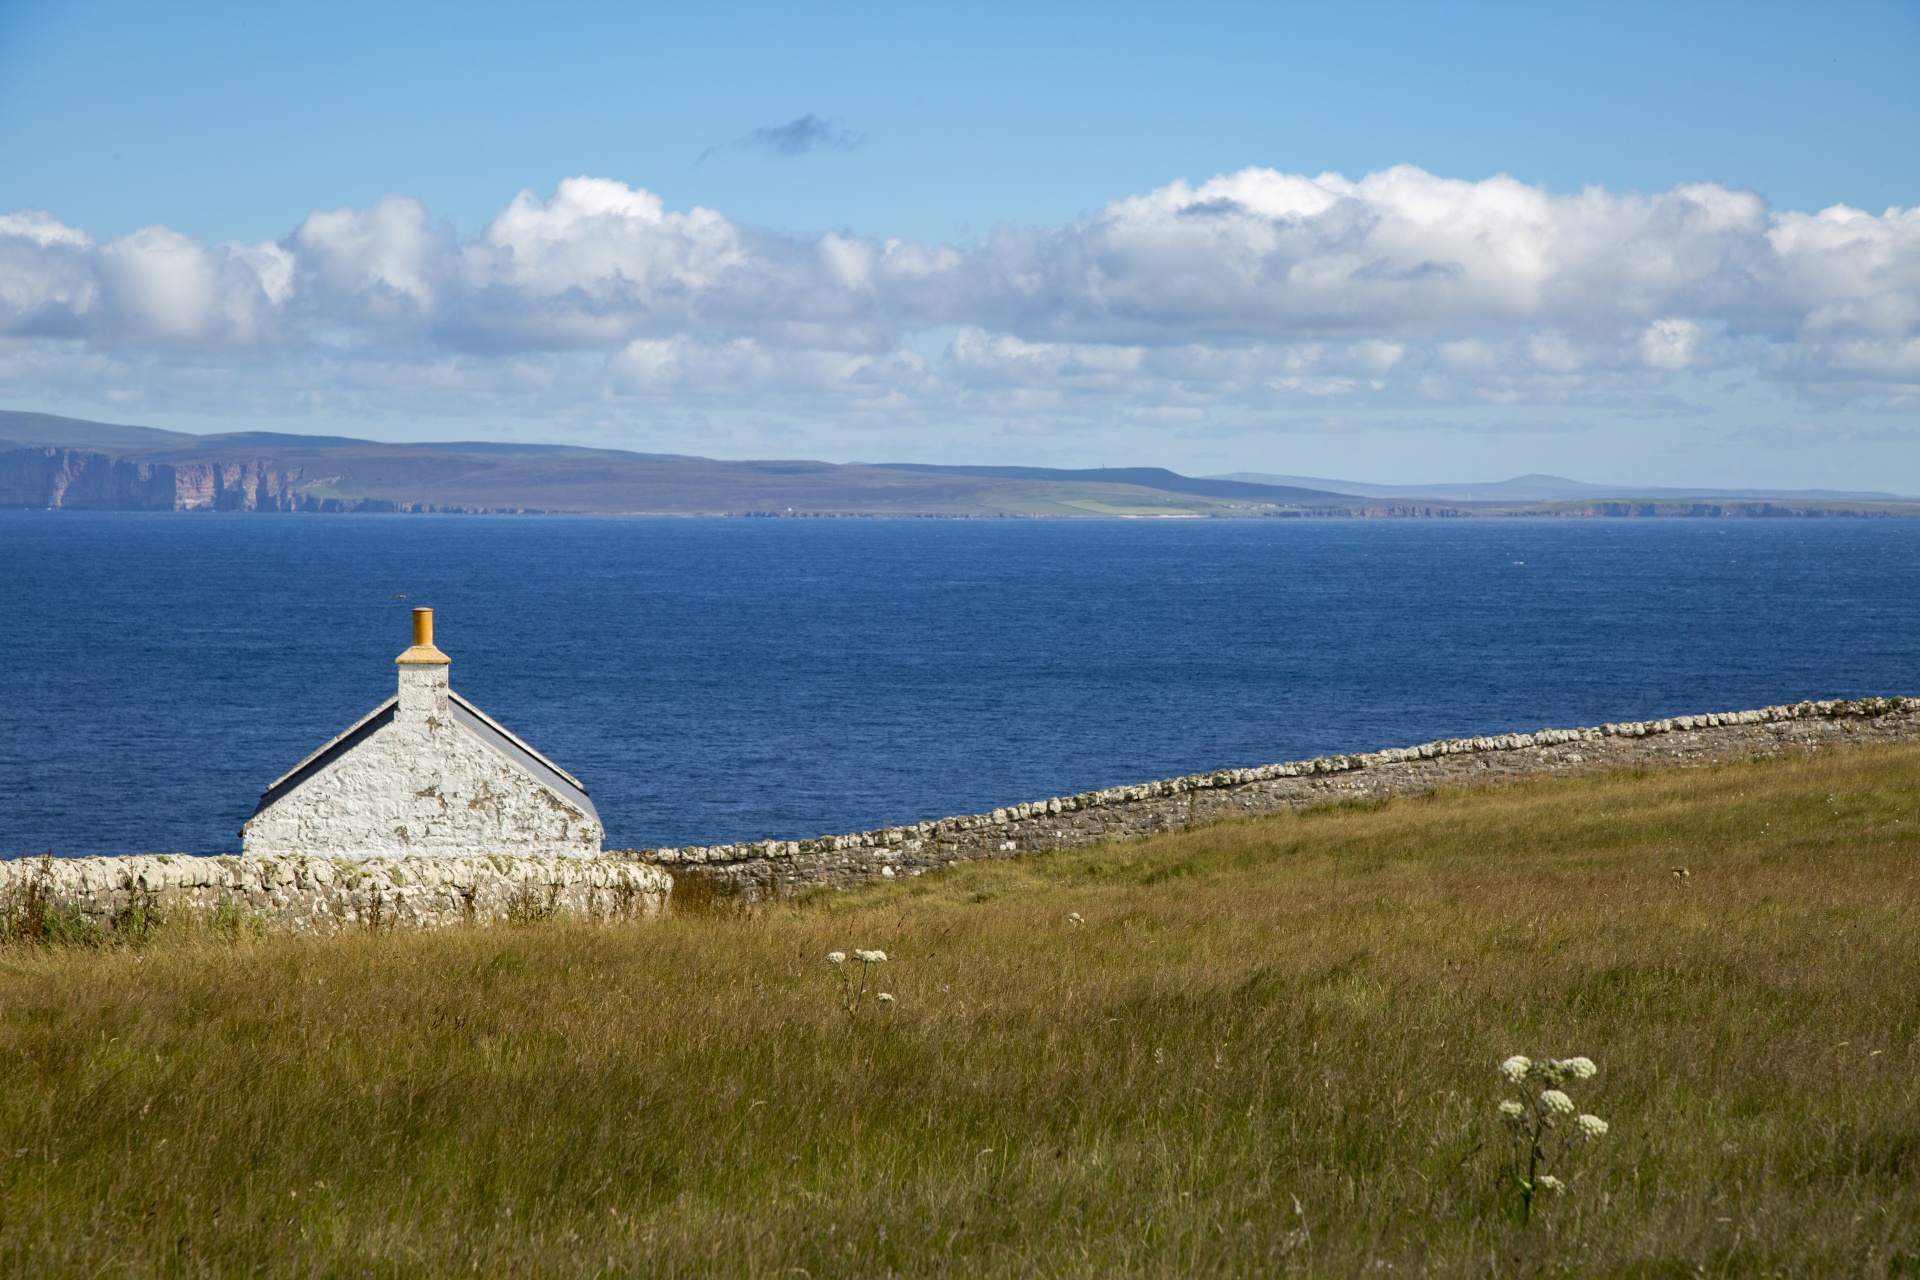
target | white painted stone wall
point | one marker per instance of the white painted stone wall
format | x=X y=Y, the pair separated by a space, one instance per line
x=421 y=787
x=322 y=895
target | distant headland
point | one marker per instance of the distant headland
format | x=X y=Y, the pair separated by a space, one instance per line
x=54 y=462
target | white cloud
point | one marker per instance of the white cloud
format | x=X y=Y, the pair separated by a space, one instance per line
x=48 y=277
x=1254 y=290
x=154 y=288
x=1669 y=344
x=379 y=267
x=161 y=288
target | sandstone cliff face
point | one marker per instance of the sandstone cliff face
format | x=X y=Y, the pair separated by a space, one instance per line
x=255 y=485
x=49 y=477
x=83 y=479
x=88 y=480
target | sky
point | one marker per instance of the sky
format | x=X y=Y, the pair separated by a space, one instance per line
x=1636 y=243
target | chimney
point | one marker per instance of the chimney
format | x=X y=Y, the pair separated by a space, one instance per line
x=423 y=671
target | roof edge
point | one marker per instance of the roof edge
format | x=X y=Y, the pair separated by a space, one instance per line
x=541 y=771
x=363 y=728
x=328 y=745
x=515 y=739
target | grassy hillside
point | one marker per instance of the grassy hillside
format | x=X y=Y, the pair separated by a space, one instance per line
x=1271 y=1047
x=495 y=476
x=332 y=472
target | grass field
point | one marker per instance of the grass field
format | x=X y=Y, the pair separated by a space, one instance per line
x=1270 y=1048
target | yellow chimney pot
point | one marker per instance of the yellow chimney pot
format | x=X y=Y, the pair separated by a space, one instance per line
x=423 y=653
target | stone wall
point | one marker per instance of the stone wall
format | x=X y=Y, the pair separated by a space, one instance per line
x=323 y=895
x=775 y=867
x=319 y=895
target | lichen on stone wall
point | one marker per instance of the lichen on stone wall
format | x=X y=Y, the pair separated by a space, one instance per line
x=321 y=895
x=309 y=894
x=774 y=867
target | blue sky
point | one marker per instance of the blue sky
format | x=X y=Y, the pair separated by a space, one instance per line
x=985 y=233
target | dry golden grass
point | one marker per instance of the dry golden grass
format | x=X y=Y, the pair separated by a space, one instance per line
x=1270 y=1048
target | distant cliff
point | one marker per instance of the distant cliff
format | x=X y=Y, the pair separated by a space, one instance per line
x=52 y=462
x=72 y=478
x=87 y=480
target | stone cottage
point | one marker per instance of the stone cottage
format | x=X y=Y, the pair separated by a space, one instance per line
x=425 y=772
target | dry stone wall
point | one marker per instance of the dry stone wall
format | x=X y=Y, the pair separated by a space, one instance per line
x=321 y=895
x=776 y=867
x=311 y=894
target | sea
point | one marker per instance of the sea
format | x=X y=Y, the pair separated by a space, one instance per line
x=735 y=679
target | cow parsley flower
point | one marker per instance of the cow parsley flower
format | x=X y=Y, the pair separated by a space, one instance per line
x=1532 y=1124
x=884 y=998
x=1073 y=917
x=836 y=957
x=870 y=957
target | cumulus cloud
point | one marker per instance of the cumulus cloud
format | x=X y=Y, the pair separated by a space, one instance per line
x=1256 y=289
x=154 y=288
x=378 y=267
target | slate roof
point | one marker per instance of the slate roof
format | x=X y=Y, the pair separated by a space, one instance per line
x=470 y=718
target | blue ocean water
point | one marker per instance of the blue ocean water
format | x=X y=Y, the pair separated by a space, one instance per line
x=716 y=680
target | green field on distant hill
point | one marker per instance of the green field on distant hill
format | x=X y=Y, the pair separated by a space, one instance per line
x=1267 y=1047
x=47 y=462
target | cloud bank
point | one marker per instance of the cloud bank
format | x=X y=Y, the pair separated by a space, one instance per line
x=1255 y=291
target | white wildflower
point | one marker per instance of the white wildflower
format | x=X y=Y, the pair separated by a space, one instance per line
x=1073 y=917
x=1515 y=1068
x=870 y=957
x=836 y=957
x=1547 y=1182
x=1512 y=1110
x=1556 y=1101
x=1591 y=1126
x=1578 y=1068
x=885 y=997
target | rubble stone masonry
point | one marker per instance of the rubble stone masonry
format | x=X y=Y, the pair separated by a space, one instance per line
x=322 y=895
x=777 y=867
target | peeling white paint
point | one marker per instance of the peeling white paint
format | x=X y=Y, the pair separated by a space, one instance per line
x=422 y=785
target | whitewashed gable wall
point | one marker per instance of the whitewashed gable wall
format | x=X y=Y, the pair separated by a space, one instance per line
x=421 y=785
